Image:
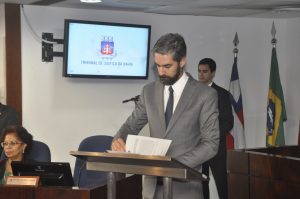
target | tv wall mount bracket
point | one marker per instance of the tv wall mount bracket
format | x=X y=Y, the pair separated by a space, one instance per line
x=47 y=48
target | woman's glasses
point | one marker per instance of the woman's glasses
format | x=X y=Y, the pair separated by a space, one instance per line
x=12 y=143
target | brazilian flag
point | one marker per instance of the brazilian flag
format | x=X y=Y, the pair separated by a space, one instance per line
x=276 y=113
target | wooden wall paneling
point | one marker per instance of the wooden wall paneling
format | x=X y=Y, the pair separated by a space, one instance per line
x=13 y=57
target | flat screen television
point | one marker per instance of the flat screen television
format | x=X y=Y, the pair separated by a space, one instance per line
x=50 y=173
x=106 y=50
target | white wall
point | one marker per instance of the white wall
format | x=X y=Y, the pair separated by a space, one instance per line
x=292 y=94
x=63 y=111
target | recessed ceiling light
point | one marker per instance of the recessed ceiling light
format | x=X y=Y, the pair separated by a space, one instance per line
x=91 y=1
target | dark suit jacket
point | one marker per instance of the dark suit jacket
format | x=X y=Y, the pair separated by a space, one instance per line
x=218 y=163
x=225 y=111
x=8 y=116
x=193 y=128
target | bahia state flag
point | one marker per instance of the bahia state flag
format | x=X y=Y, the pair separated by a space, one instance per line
x=237 y=131
x=276 y=113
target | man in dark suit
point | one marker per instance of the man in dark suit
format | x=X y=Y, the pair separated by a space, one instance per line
x=193 y=127
x=206 y=73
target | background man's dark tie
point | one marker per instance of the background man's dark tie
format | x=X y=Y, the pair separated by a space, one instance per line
x=169 y=108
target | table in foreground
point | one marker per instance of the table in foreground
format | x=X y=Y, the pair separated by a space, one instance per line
x=130 y=187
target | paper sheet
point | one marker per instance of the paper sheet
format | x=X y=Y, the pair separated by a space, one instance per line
x=147 y=145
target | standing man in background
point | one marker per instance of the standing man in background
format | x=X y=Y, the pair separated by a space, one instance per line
x=179 y=108
x=8 y=116
x=206 y=73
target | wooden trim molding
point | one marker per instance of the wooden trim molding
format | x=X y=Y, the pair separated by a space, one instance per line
x=13 y=57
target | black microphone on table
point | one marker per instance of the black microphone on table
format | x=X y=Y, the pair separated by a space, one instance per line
x=134 y=99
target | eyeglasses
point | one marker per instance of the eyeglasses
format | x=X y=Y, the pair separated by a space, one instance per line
x=12 y=143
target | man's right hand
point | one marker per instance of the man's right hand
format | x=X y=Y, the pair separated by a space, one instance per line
x=118 y=145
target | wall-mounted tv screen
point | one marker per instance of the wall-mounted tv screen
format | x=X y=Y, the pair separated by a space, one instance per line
x=106 y=50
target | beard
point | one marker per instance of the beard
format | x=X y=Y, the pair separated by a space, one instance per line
x=167 y=80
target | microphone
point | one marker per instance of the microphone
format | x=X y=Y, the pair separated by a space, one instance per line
x=135 y=99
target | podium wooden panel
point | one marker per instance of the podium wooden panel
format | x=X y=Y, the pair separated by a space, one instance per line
x=264 y=173
x=129 y=187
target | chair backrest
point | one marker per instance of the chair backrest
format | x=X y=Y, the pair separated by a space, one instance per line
x=83 y=177
x=39 y=152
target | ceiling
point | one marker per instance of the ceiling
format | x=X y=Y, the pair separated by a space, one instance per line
x=219 y=8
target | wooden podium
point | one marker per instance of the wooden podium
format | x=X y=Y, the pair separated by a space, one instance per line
x=162 y=166
x=264 y=173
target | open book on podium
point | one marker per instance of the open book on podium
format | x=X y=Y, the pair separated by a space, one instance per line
x=145 y=156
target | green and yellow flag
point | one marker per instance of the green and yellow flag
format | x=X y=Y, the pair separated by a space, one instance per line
x=276 y=113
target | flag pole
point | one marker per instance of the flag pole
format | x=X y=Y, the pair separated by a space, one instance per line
x=276 y=113
x=235 y=43
x=273 y=33
x=236 y=135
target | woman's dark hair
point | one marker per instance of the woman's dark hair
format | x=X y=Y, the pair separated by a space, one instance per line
x=21 y=133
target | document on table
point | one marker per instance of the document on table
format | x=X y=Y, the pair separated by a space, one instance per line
x=147 y=145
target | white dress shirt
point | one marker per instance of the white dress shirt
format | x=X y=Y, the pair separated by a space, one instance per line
x=178 y=88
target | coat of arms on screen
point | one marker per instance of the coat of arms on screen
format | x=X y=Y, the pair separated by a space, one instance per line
x=107 y=46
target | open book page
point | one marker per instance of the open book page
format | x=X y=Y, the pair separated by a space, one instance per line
x=147 y=145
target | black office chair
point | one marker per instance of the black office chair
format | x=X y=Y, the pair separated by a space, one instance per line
x=83 y=177
x=39 y=152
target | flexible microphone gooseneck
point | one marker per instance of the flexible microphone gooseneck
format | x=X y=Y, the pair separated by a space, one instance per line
x=135 y=99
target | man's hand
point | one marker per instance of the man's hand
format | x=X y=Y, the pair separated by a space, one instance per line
x=118 y=145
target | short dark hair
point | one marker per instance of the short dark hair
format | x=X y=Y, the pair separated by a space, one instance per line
x=171 y=43
x=210 y=62
x=21 y=133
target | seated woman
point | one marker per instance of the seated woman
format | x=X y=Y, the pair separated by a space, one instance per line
x=16 y=142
